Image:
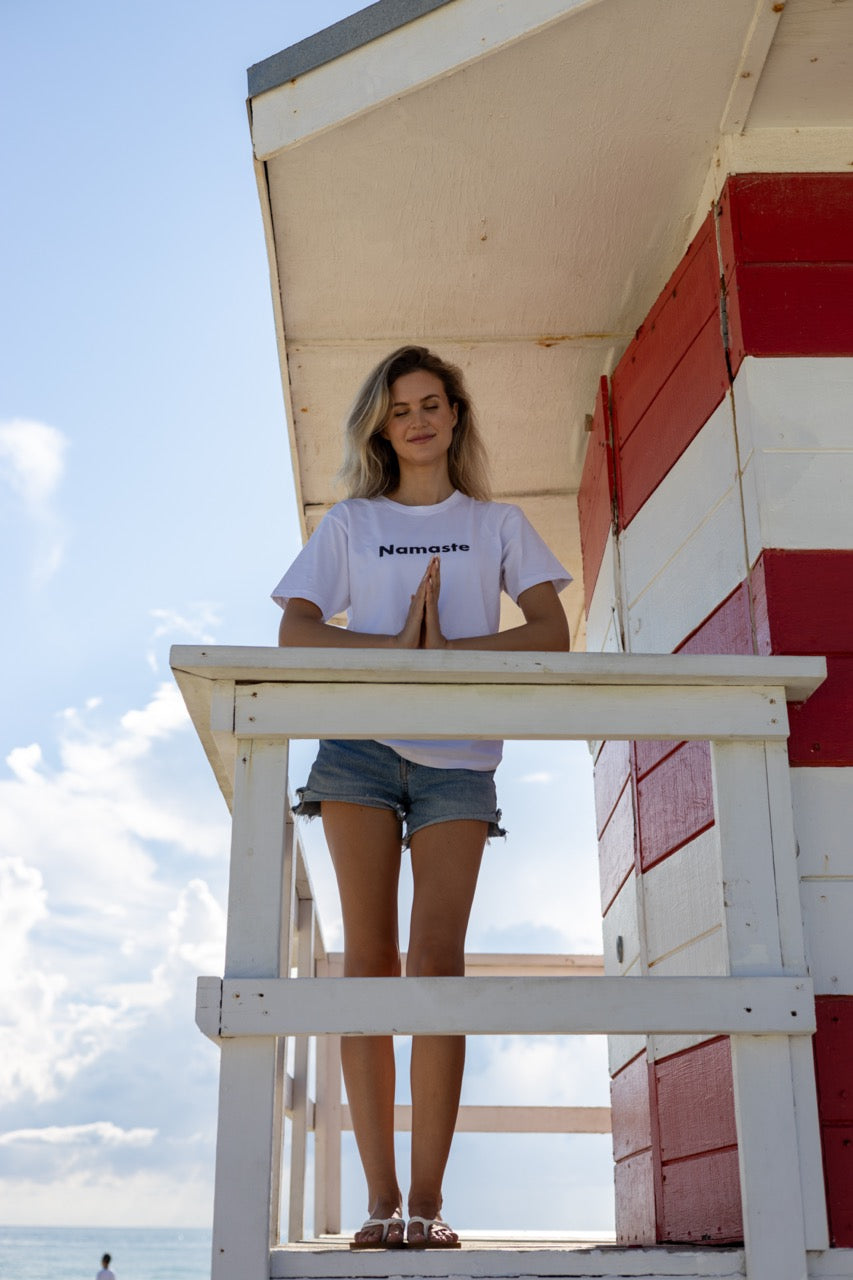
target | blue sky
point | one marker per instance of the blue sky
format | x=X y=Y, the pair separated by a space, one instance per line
x=145 y=499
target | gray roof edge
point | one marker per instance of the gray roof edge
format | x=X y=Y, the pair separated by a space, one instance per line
x=332 y=42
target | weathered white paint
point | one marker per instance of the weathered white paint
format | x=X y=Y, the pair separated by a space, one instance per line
x=827 y=915
x=299 y=1122
x=620 y=922
x=516 y=1006
x=766 y=1088
x=806 y=80
x=753 y=56
x=602 y=625
x=500 y=1258
x=683 y=897
x=484 y=711
x=622 y=1049
x=823 y=821
x=512 y=1119
x=707 y=955
x=672 y=583
x=792 y=425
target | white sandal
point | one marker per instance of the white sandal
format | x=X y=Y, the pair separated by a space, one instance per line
x=383 y=1242
x=427 y=1243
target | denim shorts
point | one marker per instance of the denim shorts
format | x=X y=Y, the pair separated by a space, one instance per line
x=360 y=771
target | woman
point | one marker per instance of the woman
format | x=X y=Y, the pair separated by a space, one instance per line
x=418 y=556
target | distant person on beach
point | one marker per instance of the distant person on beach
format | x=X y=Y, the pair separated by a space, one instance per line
x=105 y=1273
x=419 y=556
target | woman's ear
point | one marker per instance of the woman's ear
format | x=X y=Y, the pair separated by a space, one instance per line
x=455 y=408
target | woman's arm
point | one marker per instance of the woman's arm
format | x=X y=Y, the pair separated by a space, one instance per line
x=544 y=628
x=302 y=625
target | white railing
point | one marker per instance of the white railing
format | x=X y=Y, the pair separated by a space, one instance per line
x=247 y=704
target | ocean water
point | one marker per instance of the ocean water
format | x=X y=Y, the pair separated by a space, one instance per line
x=74 y=1253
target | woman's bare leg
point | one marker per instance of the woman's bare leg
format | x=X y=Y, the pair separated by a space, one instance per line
x=365 y=845
x=445 y=865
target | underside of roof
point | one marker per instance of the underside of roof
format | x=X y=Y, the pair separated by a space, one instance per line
x=512 y=184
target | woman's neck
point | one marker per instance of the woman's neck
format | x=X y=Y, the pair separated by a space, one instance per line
x=421 y=490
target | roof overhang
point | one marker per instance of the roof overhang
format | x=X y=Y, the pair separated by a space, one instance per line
x=512 y=184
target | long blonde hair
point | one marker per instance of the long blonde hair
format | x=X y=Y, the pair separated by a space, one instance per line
x=370 y=467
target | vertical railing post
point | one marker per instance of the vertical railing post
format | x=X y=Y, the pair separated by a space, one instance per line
x=251 y=1073
x=299 y=1122
x=327 y=1128
x=768 y=1149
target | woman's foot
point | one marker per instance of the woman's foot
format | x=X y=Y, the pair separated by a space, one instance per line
x=430 y=1233
x=380 y=1232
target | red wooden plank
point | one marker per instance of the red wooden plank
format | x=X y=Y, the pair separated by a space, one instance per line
x=833 y=1052
x=688 y=300
x=727 y=630
x=822 y=728
x=674 y=802
x=695 y=1099
x=616 y=849
x=611 y=772
x=806 y=598
x=701 y=1200
x=837 y=1141
x=787 y=217
x=651 y=751
x=629 y=1102
x=683 y=405
x=635 y=1200
x=760 y=606
x=595 y=496
x=798 y=309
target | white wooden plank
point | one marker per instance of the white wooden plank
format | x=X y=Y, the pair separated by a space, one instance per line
x=509 y=1119
x=621 y=923
x=494 y=711
x=392 y=66
x=622 y=1049
x=823 y=821
x=756 y=47
x=208 y=1006
x=785 y=857
x=683 y=897
x=768 y=1155
x=520 y=1255
x=741 y=807
x=243 y=1212
x=602 y=624
x=809 y=1145
x=786 y=150
x=516 y=1006
x=791 y=419
x=261 y=871
x=703 y=957
x=827 y=914
x=686 y=499
x=299 y=1123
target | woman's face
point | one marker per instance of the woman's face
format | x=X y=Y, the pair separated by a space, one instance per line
x=420 y=427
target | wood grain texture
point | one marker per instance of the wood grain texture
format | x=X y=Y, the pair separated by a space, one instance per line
x=611 y=772
x=674 y=802
x=635 y=1200
x=822 y=728
x=833 y=1052
x=804 y=600
x=616 y=848
x=622 y=921
x=777 y=309
x=837 y=1141
x=629 y=1103
x=683 y=898
x=696 y=1101
x=728 y=629
x=701 y=1199
x=596 y=492
x=786 y=217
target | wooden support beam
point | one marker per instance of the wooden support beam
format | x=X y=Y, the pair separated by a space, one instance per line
x=518 y=1006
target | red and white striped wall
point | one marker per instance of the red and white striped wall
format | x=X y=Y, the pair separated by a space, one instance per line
x=716 y=516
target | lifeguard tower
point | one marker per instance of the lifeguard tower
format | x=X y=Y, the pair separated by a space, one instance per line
x=631 y=223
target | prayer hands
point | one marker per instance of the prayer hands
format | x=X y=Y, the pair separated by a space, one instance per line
x=422 y=628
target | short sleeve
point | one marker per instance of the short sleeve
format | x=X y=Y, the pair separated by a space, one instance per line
x=525 y=559
x=320 y=573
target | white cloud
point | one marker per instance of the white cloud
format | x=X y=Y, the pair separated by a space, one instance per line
x=32 y=462
x=100 y=1133
x=197 y=624
x=158 y=1197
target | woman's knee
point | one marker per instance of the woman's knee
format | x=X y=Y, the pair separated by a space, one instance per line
x=435 y=957
x=372 y=960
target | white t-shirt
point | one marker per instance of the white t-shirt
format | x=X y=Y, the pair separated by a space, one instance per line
x=368 y=555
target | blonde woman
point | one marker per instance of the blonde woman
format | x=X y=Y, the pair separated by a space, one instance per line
x=418 y=556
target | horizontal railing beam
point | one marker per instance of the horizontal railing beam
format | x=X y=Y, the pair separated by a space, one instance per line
x=515 y=1006
x=510 y=1119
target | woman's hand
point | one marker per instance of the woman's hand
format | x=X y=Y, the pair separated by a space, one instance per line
x=433 y=638
x=411 y=636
